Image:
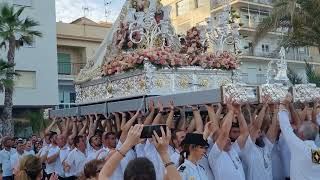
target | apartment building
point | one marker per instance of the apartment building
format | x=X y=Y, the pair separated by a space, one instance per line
x=254 y=59
x=37 y=85
x=76 y=42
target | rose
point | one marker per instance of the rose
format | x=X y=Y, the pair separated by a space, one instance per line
x=129 y=44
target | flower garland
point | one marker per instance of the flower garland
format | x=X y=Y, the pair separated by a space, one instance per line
x=165 y=57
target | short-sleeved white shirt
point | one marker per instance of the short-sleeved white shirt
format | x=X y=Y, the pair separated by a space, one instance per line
x=5 y=160
x=76 y=160
x=188 y=171
x=92 y=154
x=226 y=165
x=64 y=152
x=31 y=152
x=102 y=153
x=15 y=159
x=257 y=160
x=51 y=167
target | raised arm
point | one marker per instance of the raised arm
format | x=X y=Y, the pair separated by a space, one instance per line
x=244 y=131
x=169 y=121
x=65 y=131
x=197 y=119
x=225 y=128
x=150 y=116
x=74 y=128
x=123 y=119
x=213 y=121
x=49 y=128
x=118 y=121
x=84 y=128
x=294 y=115
x=128 y=125
x=273 y=131
x=157 y=119
x=182 y=121
x=257 y=123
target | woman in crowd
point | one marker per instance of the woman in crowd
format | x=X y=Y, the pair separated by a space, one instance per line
x=31 y=169
x=194 y=148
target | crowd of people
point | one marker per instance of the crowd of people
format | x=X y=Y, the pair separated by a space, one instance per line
x=268 y=141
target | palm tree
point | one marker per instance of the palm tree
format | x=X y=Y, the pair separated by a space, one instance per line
x=4 y=66
x=300 y=18
x=312 y=76
x=15 y=31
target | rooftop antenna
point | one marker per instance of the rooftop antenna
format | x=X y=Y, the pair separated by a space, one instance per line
x=106 y=8
x=85 y=9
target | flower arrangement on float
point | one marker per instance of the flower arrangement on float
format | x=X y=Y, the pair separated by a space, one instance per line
x=192 y=53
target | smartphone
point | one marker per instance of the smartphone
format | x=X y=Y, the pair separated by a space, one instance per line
x=147 y=131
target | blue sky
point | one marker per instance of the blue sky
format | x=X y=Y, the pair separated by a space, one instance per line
x=69 y=10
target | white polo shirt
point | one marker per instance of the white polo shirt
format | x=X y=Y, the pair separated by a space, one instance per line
x=31 y=152
x=76 y=160
x=277 y=165
x=152 y=154
x=51 y=167
x=5 y=160
x=64 y=152
x=15 y=160
x=285 y=155
x=102 y=153
x=257 y=160
x=92 y=154
x=226 y=165
x=301 y=165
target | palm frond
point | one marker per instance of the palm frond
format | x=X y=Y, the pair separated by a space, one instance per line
x=312 y=76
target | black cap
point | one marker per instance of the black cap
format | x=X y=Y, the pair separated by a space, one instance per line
x=195 y=138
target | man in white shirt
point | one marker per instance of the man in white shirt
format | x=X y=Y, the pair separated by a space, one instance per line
x=15 y=159
x=53 y=154
x=305 y=163
x=5 y=159
x=256 y=154
x=109 y=140
x=96 y=144
x=77 y=158
x=29 y=148
x=224 y=157
x=64 y=152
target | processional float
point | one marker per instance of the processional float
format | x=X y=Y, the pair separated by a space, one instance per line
x=142 y=58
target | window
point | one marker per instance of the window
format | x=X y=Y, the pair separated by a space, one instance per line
x=64 y=63
x=27 y=3
x=199 y=3
x=303 y=50
x=72 y=97
x=26 y=79
x=182 y=7
x=265 y=47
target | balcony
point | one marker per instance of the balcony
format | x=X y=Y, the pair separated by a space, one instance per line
x=65 y=106
x=275 y=55
x=219 y=3
x=66 y=69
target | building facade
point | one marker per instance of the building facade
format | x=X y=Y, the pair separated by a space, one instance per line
x=37 y=85
x=254 y=59
x=76 y=42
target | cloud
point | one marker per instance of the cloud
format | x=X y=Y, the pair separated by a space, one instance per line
x=69 y=10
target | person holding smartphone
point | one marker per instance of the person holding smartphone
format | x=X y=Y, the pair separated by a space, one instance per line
x=194 y=148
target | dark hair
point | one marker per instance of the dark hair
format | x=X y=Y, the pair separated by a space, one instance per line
x=140 y=169
x=109 y=134
x=52 y=133
x=184 y=154
x=76 y=140
x=91 y=168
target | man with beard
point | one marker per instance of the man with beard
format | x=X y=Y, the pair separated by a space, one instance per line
x=96 y=144
x=17 y=156
x=256 y=154
x=224 y=156
x=5 y=158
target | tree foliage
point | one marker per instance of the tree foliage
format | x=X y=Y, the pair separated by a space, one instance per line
x=299 y=18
